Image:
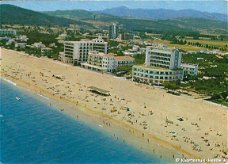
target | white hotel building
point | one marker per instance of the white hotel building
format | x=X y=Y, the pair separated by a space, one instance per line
x=161 y=64
x=190 y=69
x=76 y=52
x=98 y=61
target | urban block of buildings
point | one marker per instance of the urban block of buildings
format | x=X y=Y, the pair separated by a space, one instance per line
x=104 y=62
x=161 y=65
x=77 y=52
x=7 y=32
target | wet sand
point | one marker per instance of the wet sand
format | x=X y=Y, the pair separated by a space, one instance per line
x=180 y=126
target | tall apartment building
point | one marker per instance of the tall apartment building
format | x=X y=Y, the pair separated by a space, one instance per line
x=113 y=31
x=161 y=64
x=76 y=52
x=163 y=57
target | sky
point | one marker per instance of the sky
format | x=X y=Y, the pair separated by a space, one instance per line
x=218 y=6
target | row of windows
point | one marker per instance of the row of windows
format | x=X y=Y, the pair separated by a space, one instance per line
x=159 y=54
x=124 y=62
x=160 y=57
x=154 y=72
x=155 y=77
x=68 y=47
x=160 y=61
x=192 y=69
x=68 y=53
x=160 y=65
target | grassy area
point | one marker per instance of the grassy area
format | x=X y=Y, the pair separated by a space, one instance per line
x=213 y=67
x=217 y=43
x=139 y=59
x=183 y=47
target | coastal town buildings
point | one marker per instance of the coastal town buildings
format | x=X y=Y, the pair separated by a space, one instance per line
x=7 y=32
x=20 y=45
x=103 y=62
x=127 y=36
x=190 y=69
x=161 y=65
x=99 y=61
x=38 y=45
x=123 y=61
x=76 y=52
x=22 y=38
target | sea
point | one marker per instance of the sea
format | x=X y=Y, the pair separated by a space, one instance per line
x=32 y=131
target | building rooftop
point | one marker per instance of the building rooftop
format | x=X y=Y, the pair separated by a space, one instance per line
x=81 y=41
x=123 y=58
x=161 y=50
x=97 y=40
x=101 y=54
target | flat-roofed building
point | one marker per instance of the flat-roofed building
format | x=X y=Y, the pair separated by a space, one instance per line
x=161 y=65
x=78 y=51
x=163 y=57
x=155 y=75
x=7 y=32
x=124 y=61
x=190 y=69
x=106 y=62
x=99 y=61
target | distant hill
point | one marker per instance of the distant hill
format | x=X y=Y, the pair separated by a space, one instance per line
x=95 y=20
x=163 y=13
x=11 y=14
x=135 y=24
x=79 y=14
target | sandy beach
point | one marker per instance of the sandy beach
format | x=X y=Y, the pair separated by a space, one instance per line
x=169 y=126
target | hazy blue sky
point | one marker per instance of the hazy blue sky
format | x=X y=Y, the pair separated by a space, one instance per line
x=219 y=6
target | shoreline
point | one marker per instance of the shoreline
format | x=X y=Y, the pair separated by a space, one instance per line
x=169 y=148
x=108 y=125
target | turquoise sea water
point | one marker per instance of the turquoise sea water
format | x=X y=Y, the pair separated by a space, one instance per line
x=33 y=132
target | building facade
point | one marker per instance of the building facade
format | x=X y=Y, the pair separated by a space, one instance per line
x=77 y=51
x=98 y=61
x=7 y=32
x=190 y=69
x=163 y=57
x=161 y=65
x=155 y=75
x=124 y=61
x=113 y=31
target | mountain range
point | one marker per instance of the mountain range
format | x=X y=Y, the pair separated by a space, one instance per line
x=123 y=11
x=10 y=14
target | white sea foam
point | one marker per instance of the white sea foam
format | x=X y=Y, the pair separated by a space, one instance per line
x=43 y=96
x=9 y=81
